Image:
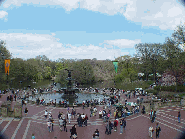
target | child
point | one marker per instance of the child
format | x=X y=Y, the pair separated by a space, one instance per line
x=32 y=137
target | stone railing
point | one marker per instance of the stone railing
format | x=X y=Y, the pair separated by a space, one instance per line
x=157 y=104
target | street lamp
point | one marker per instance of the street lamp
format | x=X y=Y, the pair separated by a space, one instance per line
x=115 y=63
x=85 y=73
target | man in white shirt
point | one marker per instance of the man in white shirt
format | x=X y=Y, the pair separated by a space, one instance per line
x=46 y=114
x=95 y=110
x=151 y=131
x=69 y=116
x=100 y=114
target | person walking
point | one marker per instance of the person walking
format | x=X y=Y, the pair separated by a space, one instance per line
x=151 y=114
x=49 y=125
x=121 y=126
x=60 y=123
x=73 y=132
x=124 y=124
x=151 y=130
x=110 y=127
x=64 y=124
x=158 y=129
x=115 y=124
x=26 y=111
x=22 y=102
x=52 y=123
x=73 y=112
x=153 y=117
x=97 y=134
x=179 y=116
x=91 y=110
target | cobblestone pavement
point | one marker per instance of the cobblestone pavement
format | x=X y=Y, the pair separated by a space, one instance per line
x=137 y=125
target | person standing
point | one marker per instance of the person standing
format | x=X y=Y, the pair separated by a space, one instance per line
x=86 y=118
x=91 y=110
x=151 y=130
x=158 y=129
x=179 y=116
x=69 y=116
x=26 y=111
x=46 y=114
x=32 y=137
x=83 y=104
x=15 y=96
x=49 y=125
x=121 y=126
x=59 y=115
x=95 y=110
x=73 y=112
x=153 y=117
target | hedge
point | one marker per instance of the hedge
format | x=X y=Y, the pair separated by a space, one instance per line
x=180 y=88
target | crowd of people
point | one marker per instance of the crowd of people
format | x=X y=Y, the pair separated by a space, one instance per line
x=119 y=114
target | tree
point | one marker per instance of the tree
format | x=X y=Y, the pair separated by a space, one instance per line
x=179 y=36
x=173 y=59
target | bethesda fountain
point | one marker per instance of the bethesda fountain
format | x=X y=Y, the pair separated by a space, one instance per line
x=70 y=90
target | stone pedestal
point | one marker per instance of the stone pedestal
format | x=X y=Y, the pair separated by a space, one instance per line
x=18 y=111
x=182 y=102
x=5 y=108
x=4 y=112
x=147 y=106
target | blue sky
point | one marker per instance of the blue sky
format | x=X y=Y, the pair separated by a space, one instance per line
x=85 y=29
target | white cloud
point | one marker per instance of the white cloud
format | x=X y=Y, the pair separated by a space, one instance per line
x=122 y=43
x=3 y=14
x=165 y=14
x=31 y=45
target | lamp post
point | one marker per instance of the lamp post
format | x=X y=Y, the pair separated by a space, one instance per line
x=85 y=73
x=115 y=63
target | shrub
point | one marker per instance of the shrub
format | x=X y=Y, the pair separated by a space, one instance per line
x=180 y=88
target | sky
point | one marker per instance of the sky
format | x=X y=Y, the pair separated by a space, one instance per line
x=85 y=29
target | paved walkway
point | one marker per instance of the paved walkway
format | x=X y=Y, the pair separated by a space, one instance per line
x=137 y=125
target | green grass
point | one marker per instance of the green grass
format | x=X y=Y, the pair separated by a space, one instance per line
x=132 y=86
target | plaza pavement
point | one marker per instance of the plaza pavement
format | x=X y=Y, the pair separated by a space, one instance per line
x=137 y=125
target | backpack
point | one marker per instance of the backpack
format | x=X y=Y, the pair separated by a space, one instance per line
x=159 y=128
x=115 y=123
x=121 y=122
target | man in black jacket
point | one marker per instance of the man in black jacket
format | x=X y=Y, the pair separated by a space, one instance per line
x=73 y=131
